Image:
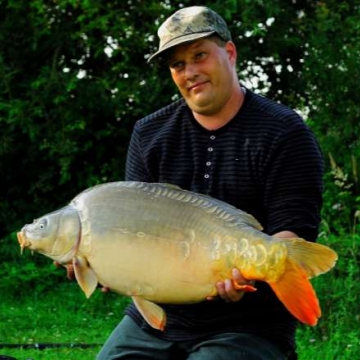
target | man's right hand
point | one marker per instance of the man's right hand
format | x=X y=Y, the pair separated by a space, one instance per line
x=69 y=270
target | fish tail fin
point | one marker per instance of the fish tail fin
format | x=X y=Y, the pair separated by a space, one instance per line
x=313 y=258
x=295 y=291
x=305 y=260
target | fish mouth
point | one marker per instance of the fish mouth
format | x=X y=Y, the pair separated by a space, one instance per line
x=23 y=241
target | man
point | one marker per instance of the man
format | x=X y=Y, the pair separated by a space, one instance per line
x=222 y=140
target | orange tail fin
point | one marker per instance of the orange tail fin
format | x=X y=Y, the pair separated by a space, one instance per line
x=295 y=291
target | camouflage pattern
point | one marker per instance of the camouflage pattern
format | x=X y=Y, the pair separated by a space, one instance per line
x=189 y=24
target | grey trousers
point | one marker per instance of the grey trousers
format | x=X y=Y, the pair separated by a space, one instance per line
x=128 y=341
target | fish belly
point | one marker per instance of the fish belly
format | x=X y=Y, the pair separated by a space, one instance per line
x=157 y=268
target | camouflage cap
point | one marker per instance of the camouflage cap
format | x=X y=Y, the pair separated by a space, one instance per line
x=188 y=24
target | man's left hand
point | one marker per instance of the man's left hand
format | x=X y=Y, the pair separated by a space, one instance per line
x=229 y=291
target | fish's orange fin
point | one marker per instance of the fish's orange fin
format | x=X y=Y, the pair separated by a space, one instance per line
x=313 y=258
x=295 y=291
x=84 y=275
x=153 y=314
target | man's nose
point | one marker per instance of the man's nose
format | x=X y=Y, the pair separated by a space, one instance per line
x=191 y=71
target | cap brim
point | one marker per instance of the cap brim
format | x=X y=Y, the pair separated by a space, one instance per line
x=180 y=40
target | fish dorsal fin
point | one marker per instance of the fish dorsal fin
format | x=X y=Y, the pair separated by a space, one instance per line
x=223 y=210
x=169 y=186
x=85 y=276
x=153 y=314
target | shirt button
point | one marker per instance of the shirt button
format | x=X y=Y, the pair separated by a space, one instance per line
x=208 y=163
x=206 y=176
x=212 y=137
x=210 y=149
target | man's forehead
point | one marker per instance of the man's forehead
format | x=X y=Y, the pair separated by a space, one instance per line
x=187 y=47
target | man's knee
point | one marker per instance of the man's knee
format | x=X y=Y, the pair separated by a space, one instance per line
x=236 y=346
x=129 y=341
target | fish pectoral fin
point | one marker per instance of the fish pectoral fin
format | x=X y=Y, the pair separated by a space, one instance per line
x=295 y=291
x=84 y=275
x=153 y=314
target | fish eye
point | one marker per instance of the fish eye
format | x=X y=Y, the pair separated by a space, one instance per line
x=42 y=224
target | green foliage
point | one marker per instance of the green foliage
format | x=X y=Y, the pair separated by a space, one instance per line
x=341 y=211
x=74 y=79
x=337 y=334
x=71 y=90
x=331 y=72
x=20 y=273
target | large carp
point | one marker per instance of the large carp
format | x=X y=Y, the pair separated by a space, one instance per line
x=160 y=244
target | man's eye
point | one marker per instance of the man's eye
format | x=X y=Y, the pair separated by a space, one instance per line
x=200 y=55
x=177 y=65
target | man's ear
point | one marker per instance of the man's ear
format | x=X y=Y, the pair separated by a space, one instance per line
x=231 y=50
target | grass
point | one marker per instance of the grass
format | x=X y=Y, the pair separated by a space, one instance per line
x=42 y=306
x=61 y=316
x=337 y=335
x=340 y=344
x=52 y=354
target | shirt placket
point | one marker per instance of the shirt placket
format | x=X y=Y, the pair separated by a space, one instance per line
x=209 y=161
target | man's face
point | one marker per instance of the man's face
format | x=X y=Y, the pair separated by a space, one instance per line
x=204 y=72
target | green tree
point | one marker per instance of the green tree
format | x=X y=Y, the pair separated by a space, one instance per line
x=331 y=76
x=72 y=86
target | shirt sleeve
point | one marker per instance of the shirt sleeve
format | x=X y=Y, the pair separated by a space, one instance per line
x=136 y=168
x=294 y=184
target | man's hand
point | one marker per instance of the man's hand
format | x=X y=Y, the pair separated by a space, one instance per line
x=232 y=290
x=69 y=270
